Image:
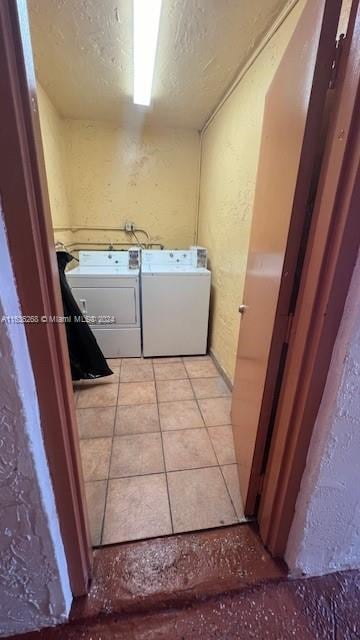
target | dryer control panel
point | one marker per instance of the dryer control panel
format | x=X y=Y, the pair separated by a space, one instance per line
x=166 y=257
x=193 y=257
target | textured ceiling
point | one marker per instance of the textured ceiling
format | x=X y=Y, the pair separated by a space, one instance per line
x=83 y=55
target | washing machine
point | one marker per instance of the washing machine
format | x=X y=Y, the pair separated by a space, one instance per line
x=175 y=294
x=106 y=286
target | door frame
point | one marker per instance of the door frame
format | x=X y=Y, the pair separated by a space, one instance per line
x=330 y=258
x=26 y=210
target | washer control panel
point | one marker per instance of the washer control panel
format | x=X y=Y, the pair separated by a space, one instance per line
x=129 y=259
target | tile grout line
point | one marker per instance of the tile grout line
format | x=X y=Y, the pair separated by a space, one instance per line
x=160 y=401
x=163 y=452
x=198 y=405
x=228 y=490
x=222 y=475
x=205 y=425
x=220 y=466
x=144 y=433
x=157 y=473
x=111 y=453
x=206 y=466
x=106 y=479
x=213 y=448
x=169 y=535
x=155 y=380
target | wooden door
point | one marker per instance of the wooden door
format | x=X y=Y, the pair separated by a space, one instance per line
x=289 y=151
x=331 y=253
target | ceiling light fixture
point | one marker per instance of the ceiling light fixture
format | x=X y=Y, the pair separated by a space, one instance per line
x=146 y=31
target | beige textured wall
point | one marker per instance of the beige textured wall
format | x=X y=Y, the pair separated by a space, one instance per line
x=147 y=177
x=53 y=138
x=102 y=175
x=230 y=151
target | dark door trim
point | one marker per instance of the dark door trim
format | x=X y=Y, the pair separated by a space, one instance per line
x=25 y=203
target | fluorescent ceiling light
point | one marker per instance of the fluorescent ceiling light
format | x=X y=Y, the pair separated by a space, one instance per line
x=146 y=31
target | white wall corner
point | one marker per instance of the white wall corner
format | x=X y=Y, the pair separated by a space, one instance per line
x=34 y=586
x=325 y=533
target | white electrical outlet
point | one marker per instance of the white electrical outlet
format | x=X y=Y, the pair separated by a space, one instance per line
x=129 y=227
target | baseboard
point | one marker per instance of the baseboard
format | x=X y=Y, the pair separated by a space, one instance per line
x=221 y=370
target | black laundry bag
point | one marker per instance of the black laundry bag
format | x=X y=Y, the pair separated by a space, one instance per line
x=86 y=358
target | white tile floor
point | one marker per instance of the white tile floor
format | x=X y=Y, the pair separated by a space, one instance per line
x=157 y=449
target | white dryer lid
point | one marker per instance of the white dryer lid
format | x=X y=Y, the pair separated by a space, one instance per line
x=99 y=270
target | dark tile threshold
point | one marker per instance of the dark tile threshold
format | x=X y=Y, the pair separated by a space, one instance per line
x=213 y=585
x=163 y=572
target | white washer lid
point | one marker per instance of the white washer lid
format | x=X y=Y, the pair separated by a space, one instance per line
x=170 y=270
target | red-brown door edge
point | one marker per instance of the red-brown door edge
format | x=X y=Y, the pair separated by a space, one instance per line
x=288 y=160
x=331 y=254
x=27 y=219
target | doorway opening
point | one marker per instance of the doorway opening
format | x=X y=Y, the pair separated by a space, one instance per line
x=156 y=436
x=159 y=427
